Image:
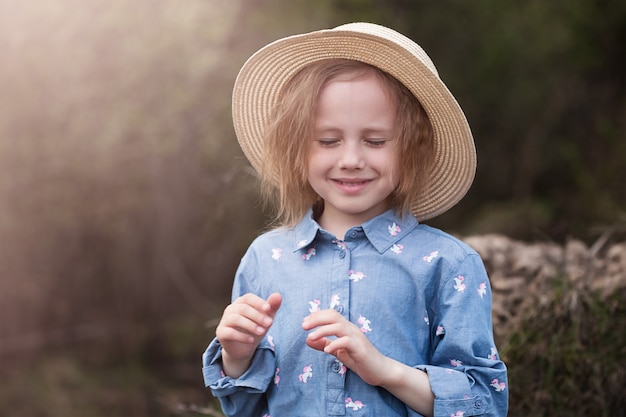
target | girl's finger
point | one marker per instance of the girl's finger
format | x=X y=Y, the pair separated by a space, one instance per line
x=335 y=329
x=251 y=313
x=274 y=301
x=321 y=318
x=234 y=335
x=253 y=301
x=318 y=344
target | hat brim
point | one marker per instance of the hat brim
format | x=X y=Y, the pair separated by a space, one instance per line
x=264 y=74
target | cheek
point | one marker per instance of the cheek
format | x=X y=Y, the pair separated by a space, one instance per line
x=313 y=169
x=394 y=178
x=393 y=167
x=310 y=166
x=316 y=162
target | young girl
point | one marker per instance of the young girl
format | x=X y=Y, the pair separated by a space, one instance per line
x=352 y=306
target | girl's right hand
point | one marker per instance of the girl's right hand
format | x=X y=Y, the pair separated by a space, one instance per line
x=242 y=327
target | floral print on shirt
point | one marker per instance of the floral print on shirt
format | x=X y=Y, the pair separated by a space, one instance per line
x=365 y=278
x=431 y=257
x=354 y=405
x=307 y=372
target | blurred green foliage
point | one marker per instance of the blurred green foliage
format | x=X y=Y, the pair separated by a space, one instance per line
x=543 y=85
x=566 y=357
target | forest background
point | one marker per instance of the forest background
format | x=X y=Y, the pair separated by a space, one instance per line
x=125 y=202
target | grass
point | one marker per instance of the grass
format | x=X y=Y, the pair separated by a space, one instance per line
x=567 y=355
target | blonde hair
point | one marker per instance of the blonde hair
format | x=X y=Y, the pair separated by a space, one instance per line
x=284 y=179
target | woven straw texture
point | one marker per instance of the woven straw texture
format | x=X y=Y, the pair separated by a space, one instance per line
x=262 y=77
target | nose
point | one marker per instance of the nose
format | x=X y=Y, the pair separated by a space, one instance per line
x=352 y=156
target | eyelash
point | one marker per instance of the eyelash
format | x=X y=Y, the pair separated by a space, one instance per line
x=327 y=142
x=376 y=143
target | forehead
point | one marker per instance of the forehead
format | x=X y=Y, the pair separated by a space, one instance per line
x=363 y=93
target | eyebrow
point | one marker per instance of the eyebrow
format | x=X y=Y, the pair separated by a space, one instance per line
x=367 y=131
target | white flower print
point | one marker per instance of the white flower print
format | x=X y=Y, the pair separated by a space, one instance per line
x=277 y=253
x=356 y=276
x=301 y=244
x=397 y=248
x=394 y=229
x=334 y=300
x=456 y=363
x=307 y=372
x=276 y=376
x=482 y=289
x=314 y=305
x=440 y=331
x=310 y=253
x=429 y=258
x=458 y=283
x=499 y=386
x=365 y=324
x=354 y=405
x=493 y=354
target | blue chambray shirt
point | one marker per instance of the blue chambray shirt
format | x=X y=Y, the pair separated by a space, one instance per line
x=421 y=296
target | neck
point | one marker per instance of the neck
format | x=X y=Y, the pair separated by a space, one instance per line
x=338 y=223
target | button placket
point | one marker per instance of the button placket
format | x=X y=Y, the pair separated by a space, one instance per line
x=340 y=299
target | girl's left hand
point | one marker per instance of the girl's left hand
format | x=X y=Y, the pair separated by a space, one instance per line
x=349 y=345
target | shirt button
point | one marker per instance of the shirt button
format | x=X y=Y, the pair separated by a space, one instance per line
x=336 y=367
x=353 y=234
x=339 y=309
x=342 y=254
x=478 y=404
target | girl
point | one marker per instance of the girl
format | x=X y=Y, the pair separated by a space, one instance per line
x=352 y=306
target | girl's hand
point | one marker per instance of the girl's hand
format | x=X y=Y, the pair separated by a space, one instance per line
x=242 y=327
x=339 y=337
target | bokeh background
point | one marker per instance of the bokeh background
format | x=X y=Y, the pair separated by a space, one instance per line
x=125 y=202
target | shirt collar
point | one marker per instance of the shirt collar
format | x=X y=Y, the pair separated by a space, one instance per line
x=383 y=231
x=386 y=229
x=306 y=231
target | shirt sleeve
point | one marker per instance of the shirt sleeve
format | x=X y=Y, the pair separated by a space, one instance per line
x=466 y=374
x=243 y=396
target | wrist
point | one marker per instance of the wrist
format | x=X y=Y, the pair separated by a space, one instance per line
x=232 y=367
x=394 y=374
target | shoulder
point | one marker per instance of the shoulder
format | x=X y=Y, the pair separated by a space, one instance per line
x=280 y=237
x=268 y=250
x=447 y=254
x=437 y=238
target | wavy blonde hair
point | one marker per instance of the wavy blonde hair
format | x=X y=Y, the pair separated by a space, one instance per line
x=284 y=179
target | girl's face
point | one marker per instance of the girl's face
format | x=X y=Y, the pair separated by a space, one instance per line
x=353 y=156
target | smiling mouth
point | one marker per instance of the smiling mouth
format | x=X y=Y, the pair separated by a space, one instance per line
x=352 y=183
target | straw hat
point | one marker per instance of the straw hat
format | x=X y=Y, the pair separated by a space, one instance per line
x=262 y=77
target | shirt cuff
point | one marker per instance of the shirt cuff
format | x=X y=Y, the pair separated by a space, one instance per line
x=255 y=380
x=453 y=394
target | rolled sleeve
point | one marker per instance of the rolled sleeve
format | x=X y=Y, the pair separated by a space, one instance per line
x=465 y=365
x=244 y=395
x=453 y=393
x=255 y=380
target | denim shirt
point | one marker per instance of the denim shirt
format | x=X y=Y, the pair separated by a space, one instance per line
x=421 y=296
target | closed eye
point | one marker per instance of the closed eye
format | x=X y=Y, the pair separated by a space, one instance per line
x=326 y=142
x=377 y=143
